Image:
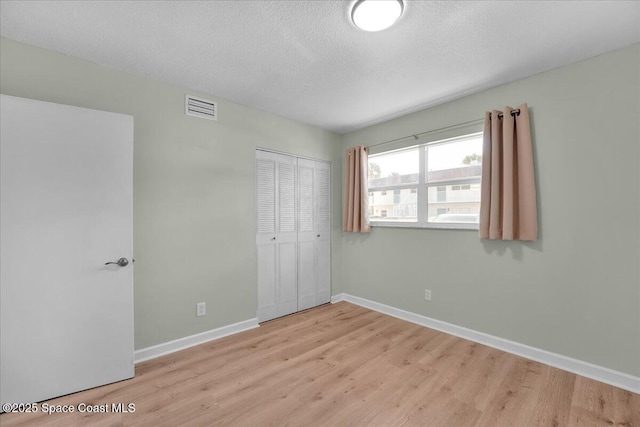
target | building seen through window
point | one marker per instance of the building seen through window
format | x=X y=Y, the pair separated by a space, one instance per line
x=429 y=185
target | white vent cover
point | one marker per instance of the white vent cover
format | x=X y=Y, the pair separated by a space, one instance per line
x=198 y=107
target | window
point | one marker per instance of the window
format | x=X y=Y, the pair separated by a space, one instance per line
x=434 y=185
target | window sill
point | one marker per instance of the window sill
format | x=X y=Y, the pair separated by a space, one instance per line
x=430 y=226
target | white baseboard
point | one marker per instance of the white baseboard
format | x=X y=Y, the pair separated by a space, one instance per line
x=337 y=298
x=192 y=340
x=579 y=367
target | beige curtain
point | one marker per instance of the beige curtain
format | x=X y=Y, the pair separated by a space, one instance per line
x=354 y=209
x=508 y=206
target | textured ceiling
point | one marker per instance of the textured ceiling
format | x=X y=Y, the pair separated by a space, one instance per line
x=306 y=61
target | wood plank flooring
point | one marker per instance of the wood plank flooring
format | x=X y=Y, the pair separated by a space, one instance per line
x=344 y=365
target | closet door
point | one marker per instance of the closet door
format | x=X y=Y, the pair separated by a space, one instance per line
x=307 y=253
x=286 y=237
x=322 y=203
x=314 y=244
x=276 y=235
x=266 y=168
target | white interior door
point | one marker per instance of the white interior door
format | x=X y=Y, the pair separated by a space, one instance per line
x=322 y=202
x=276 y=237
x=266 y=181
x=66 y=192
x=307 y=251
x=314 y=243
x=287 y=237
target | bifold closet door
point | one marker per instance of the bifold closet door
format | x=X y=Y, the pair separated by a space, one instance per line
x=322 y=201
x=314 y=244
x=276 y=237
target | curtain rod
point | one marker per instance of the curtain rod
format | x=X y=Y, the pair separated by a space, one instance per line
x=417 y=136
x=514 y=113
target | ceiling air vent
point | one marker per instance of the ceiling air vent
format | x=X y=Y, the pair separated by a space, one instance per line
x=198 y=107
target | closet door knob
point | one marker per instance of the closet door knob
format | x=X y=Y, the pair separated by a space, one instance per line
x=318 y=235
x=273 y=238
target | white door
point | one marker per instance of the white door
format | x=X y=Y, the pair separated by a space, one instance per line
x=307 y=251
x=66 y=210
x=276 y=237
x=322 y=201
x=266 y=173
x=314 y=244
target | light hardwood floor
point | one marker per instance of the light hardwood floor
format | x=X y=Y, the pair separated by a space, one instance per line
x=344 y=365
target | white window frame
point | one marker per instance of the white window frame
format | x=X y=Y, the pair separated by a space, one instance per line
x=423 y=188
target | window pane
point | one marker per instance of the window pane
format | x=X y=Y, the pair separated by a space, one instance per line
x=447 y=205
x=454 y=160
x=397 y=205
x=400 y=167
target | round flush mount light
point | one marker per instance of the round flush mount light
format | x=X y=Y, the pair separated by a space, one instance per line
x=376 y=15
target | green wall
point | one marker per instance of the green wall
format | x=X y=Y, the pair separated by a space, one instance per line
x=194 y=203
x=576 y=291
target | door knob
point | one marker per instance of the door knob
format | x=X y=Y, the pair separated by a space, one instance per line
x=122 y=262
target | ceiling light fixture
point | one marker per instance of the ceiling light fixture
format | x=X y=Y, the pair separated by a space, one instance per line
x=376 y=15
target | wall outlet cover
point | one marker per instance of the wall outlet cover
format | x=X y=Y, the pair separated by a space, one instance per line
x=201 y=309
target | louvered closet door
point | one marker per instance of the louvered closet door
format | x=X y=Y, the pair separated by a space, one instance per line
x=276 y=237
x=322 y=201
x=314 y=275
x=287 y=237
x=266 y=167
x=306 y=235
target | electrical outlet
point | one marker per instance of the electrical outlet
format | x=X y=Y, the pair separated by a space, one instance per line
x=201 y=309
x=427 y=295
